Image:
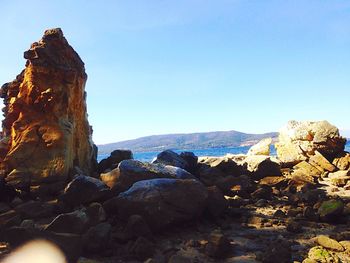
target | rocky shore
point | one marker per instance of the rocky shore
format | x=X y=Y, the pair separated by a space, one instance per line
x=180 y=207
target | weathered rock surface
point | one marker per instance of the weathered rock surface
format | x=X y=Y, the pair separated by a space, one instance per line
x=339 y=178
x=308 y=169
x=129 y=172
x=261 y=148
x=161 y=202
x=342 y=161
x=45 y=130
x=321 y=163
x=298 y=140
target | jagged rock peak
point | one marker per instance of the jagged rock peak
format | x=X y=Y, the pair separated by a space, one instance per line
x=53 y=50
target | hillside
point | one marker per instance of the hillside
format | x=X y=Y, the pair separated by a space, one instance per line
x=187 y=141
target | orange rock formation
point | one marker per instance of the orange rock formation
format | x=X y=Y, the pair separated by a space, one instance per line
x=45 y=131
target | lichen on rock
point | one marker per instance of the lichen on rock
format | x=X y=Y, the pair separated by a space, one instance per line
x=45 y=131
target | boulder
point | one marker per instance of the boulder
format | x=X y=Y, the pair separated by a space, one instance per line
x=84 y=189
x=45 y=126
x=298 y=140
x=129 y=172
x=308 y=169
x=75 y=222
x=225 y=164
x=261 y=148
x=331 y=209
x=169 y=157
x=301 y=177
x=211 y=170
x=277 y=181
x=260 y=166
x=321 y=163
x=191 y=160
x=114 y=159
x=241 y=185
x=339 y=178
x=263 y=192
x=96 y=213
x=209 y=175
x=329 y=243
x=161 y=202
x=342 y=161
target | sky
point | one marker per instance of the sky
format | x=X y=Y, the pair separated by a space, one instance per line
x=159 y=67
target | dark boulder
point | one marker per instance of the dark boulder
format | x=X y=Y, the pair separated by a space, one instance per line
x=169 y=157
x=211 y=170
x=192 y=161
x=76 y=222
x=84 y=189
x=161 y=202
x=96 y=213
x=114 y=159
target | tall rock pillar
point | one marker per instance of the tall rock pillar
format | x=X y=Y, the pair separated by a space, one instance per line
x=45 y=132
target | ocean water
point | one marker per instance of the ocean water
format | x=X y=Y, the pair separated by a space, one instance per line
x=149 y=156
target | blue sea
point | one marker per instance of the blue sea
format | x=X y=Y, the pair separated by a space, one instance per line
x=149 y=156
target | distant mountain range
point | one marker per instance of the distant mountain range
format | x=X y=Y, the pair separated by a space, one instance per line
x=190 y=141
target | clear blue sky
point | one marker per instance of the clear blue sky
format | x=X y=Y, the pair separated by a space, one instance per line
x=160 y=67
